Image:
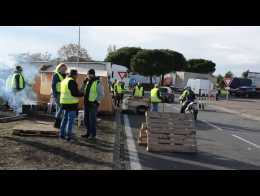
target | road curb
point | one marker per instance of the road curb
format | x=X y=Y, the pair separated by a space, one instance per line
x=235 y=112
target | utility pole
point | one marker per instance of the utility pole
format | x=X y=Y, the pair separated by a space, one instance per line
x=79 y=46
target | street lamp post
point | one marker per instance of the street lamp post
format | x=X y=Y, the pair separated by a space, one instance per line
x=79 y=47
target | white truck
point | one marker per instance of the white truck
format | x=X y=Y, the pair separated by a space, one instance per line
x=201 y=86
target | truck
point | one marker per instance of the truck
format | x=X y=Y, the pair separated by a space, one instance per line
x=242 y=87
x=255 y=78
x=200 y=86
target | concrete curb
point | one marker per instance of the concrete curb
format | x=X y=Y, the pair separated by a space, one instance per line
x=235 y=112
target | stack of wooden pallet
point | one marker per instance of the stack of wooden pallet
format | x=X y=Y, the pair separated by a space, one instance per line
x=142 y=136
x=170 y=132
x=36 y=128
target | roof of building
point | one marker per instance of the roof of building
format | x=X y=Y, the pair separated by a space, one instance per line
x=82 y=69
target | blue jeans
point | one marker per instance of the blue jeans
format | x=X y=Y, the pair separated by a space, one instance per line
x=90 y=119
x=155 y=107
x=67 y=123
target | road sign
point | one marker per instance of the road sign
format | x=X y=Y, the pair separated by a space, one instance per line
x=228 y=81
x=122 y=74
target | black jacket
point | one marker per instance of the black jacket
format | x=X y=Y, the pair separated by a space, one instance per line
x=75 y=93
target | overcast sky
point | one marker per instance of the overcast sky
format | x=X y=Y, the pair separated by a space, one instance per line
x=231 y=48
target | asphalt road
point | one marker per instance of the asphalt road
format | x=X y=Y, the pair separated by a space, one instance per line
x=225 y=141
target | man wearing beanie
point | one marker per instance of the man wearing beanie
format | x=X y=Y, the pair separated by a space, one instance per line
x=93 y=94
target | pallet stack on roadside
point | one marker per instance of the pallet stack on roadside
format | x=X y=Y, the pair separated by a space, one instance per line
x=142 y=136
x=170 y=132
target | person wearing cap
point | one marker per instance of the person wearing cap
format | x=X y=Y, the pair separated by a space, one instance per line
x=93 y=94
x=155 y=98
x=58 y=77
x=69 y=100
x=138 y=90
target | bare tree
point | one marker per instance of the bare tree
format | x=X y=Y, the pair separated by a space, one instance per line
x=69 y=52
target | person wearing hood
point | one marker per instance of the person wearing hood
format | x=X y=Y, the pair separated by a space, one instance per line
x=93 y=94
x=58 y=77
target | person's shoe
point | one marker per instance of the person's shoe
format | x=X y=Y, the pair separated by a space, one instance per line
x=62 y=137
x=85 y=136
x=57 y=123
x=68 y=139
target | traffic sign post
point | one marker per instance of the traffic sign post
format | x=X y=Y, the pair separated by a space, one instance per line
x=122 y=74
x=228 y=81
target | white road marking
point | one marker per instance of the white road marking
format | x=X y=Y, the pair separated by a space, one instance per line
x=134 y=158
x=246 y=141
x=211 y=166
x=212 y=125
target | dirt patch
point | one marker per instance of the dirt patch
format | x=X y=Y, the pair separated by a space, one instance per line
x=53 y=153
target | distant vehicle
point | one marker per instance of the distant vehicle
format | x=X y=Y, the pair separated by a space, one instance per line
x=176 y=89
x=240 y=82
x=200 y=86
x=244 y=91
x=167 y=94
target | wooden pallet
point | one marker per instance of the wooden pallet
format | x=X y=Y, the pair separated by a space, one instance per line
x=142 y=136
x=168 y=148
x=37 y=128
x=170 y=132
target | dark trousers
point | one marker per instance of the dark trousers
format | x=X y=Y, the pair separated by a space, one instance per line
x=119 y=99
x=184 y=106
x=90 y=119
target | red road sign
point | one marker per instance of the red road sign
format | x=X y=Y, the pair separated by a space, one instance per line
x=122 y=74
x=228 y=81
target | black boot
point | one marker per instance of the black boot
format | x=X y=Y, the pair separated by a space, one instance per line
x=57 y=123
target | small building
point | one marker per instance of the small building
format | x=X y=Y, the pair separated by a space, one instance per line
x=43 y=82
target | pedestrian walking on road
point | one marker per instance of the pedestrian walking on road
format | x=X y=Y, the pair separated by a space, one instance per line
x=155 y=98
x=93 y=94
x=119 y=92
x=69 y=100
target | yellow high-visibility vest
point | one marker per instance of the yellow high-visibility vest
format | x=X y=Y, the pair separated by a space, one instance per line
x=21 y=81
x=154 y=97
x=65 y=93
x=138 y=91
x=61 y=78
x=119 y=88
x=93 y=91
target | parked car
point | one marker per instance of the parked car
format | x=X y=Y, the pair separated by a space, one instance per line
x=167 y=94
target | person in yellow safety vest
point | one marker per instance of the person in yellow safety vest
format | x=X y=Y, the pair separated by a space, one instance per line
x=69 y=100
x=58 y=76
x=186 y=97
x=155 y=98
x=17 y=81
x=93 y=94
x=138 y=90
x=119 y=91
